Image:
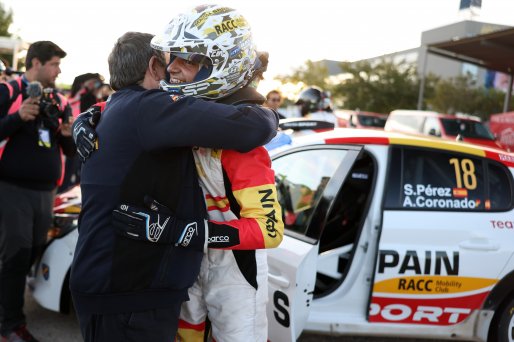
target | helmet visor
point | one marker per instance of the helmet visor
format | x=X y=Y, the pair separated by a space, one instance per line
x=192 y=57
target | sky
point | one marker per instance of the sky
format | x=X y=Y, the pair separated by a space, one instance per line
x=292 y=31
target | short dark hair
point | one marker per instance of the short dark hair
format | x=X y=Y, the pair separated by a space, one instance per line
x=129 y=59
x=43 y=50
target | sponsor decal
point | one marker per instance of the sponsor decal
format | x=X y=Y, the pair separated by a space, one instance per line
x=190 y=230
x=500 y=224
x=268 y=202
x=230 y=25
x=423 y=285
x=234 y=51
x=434 y=262
x=154 y=229
x=506 y=158
x=216 y=53
x=203 y=18
x=437 y=311
x=428 y=196
x=219 y=239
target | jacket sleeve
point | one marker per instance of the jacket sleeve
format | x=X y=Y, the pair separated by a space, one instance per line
x=253 y=186
x=68 y=146
x=9 y=124
x=196 y=122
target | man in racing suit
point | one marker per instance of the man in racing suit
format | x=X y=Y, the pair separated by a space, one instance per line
x=239 y=188
x=244 y=216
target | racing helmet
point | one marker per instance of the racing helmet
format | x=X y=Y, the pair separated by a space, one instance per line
x=217 y=37
x=313 y=99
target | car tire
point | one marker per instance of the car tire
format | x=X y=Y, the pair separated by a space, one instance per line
x=503 y=326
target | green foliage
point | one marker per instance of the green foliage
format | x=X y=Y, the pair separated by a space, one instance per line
x=379 y=88
x=312 y=74
x=461 y=94
x=5 y=20
x=386 y=86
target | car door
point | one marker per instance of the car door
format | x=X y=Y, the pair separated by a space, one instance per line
x=439 y=253
x=308 y=179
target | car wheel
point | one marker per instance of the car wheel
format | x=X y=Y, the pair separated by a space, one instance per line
x=503 y=328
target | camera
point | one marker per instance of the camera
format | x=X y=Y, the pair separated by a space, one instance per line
x=49 y=105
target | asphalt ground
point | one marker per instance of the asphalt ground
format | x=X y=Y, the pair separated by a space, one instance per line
x=49 y=326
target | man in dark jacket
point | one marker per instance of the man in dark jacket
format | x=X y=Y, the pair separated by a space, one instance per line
x=126 y=286
x=33 y=131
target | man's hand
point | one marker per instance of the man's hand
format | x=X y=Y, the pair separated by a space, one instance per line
x=158 y=224
x=84 y=133
x=29 y=109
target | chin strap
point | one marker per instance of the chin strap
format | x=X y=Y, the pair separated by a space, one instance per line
x=174 y=89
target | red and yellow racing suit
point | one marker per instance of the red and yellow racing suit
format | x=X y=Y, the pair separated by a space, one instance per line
x=245 y=219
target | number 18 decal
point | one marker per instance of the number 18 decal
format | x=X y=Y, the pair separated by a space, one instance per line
x=464 y=173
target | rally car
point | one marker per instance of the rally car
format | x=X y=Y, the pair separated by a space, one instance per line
x=386 y=235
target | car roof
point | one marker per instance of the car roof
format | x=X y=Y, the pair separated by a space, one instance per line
x=352 y=112
x=434 y=114
x=348 y=136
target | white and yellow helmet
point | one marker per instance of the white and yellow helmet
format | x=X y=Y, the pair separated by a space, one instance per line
x=217 y=37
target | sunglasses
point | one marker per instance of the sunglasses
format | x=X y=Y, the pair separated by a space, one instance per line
x=274 y=99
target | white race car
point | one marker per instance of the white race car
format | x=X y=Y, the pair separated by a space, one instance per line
x=386 y=235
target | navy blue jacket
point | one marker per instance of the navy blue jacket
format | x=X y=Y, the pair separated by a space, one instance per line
x=145 y=141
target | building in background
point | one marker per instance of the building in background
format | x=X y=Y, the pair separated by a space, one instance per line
x=438 y=65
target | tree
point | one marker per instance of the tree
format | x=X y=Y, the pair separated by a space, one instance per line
x=386 y=86
x=462 y=95
x=5 y=20
x=311 y=74
x=379 y=88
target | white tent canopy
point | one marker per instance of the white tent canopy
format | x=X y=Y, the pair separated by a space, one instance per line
x=16 y=47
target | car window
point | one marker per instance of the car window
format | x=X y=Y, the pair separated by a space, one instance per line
x=425 y=179
x=466 y=128
x=301 y=178
x=371 y=121
x=500 y=187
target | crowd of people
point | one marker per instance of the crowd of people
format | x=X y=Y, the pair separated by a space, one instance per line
x=176 y=214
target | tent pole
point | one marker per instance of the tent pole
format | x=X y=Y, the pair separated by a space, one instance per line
x=423 y=51
x=508 y=95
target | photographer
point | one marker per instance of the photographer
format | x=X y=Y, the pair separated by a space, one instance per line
x=85 y=92
x=34 y=127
